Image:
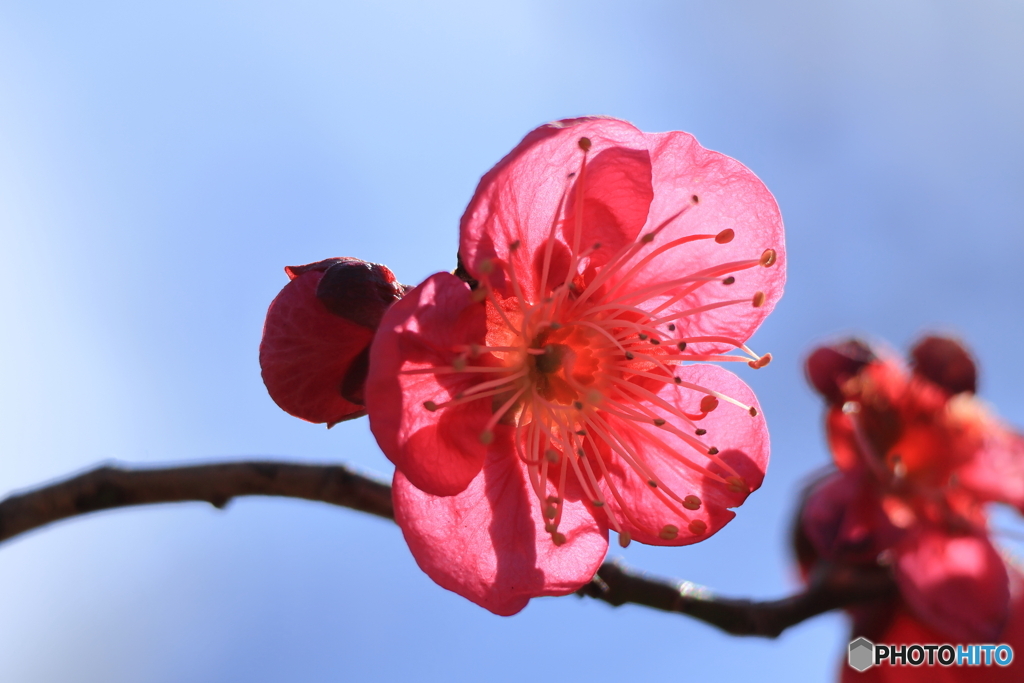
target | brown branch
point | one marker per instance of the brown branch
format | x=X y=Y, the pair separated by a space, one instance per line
x=832 y=587
x=114 y=486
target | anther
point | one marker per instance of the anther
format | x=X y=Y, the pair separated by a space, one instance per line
x=729 y=280
x=677 y=380
x=700 y=432
x=768 y=258
x=658 y=422
x=697 y=527
x=653 y=484
x=486 y=437
x=695 y=199
x=581 y=432
x=550 y=511
x=580 y=452
x=725 y=236
x=629 y=356
x=691 y=503
x=708 y=403
x=578 y=405
x=712 y=451
x=515 y=245
x=758 y=300
x=682 y=346
x=585 y=144
x=478 y=295
x=737 y=485
x=655 y=341
x=642 y=336
x=668 y=532
x=624 y=539
x=598 y=503
x=648 y=238
x=430 y=405
x=459 y=364
x=558 y=538
x=486 y=267
x=671 y=327
x=761 y=362
x=753 y=411
x=552 y=456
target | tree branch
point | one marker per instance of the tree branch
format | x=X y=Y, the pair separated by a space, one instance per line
x=832 y=587
x=114 y=486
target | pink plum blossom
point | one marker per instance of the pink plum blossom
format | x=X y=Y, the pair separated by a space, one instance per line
x=918 y=456
x=554 y=387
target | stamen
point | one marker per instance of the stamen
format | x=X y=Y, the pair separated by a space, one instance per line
x=691 y=503
x=669 y=532
x=725 y=236
x=768 y=258
x=697 y=527
x=758 y=299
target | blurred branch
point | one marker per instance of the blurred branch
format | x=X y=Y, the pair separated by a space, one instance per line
x=115 y=486
x=832 y=587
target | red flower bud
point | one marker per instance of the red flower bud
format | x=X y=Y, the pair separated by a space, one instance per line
x=315 y=348
x=947 y=363
x=829 y=367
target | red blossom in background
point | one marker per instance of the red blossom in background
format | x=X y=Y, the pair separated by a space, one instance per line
x=918 y=457
x=316 y=339
x=550 y=394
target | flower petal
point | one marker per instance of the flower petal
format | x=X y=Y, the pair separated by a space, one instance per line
x=308 y=353
x=714 y=193
x=488 y=543
x=438 y=451
x=679 y=468
x=957 y=584
x=530 y=198
x=996 y=473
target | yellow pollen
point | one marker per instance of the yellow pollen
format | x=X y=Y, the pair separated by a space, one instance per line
x=550 y=528
x=668 y=532
x=768 y=258
x=758 y=300
x=578 y=405
x=486 y=437
x=737 y=485
x=725 y=236
x=594 y=397
x=430 y=405
x=691 y=503
x=697 y=527
x=624 y=538
x=585 y=144
x=554 y=500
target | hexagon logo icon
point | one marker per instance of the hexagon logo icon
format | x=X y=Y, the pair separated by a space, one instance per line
x=862 y=654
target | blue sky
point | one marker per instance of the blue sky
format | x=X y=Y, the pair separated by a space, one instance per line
x=161 y=162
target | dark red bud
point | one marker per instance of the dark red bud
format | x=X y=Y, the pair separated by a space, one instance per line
x=315 y=348
x=829 y=367
x=945 y=362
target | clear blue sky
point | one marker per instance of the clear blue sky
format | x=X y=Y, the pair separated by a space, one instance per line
x=160 y=163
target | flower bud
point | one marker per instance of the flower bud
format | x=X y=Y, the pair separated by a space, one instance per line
x=947 y=363
x=829 y=367
x=315 y=348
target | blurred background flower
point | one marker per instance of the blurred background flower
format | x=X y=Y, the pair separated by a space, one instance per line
x=161 y=162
